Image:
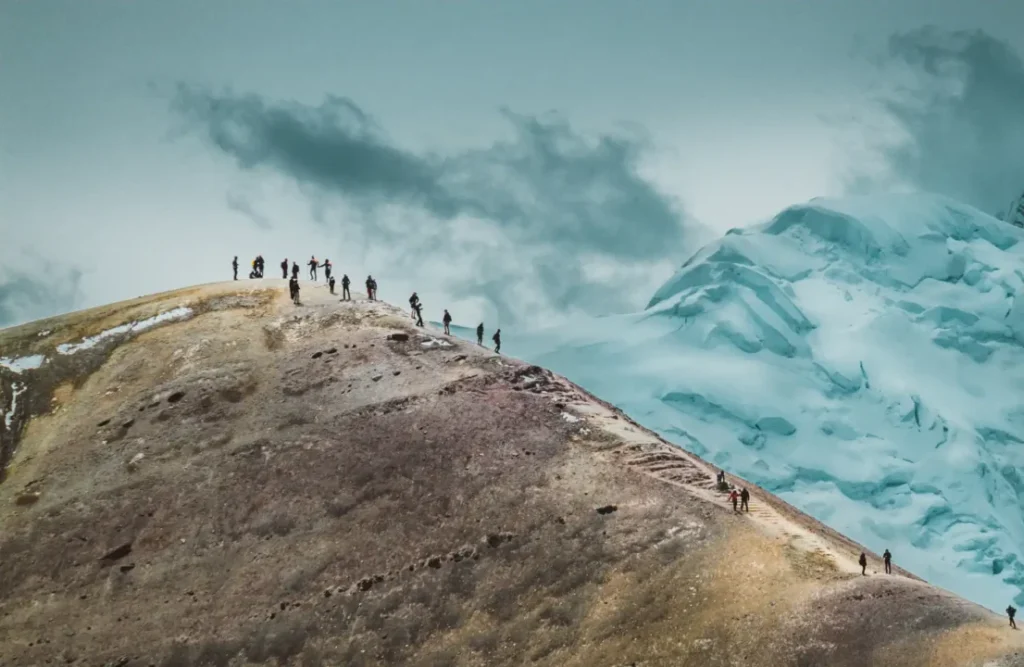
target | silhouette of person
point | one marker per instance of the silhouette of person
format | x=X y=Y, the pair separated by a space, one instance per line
x=720 y=477
x=345 y=294
x=497 y=341
x=295 y=270
x=734 y=498
x=447 y=320
x=419 y=314
x=293 y=289
x=745 y=500
x=284 y=269
x=413 y=300
x=480 y=334
x=312 y=267
x=330 y=283
x=234 y=266
x=327 y=268
x=887 y=559
x=863 y=563
x=1011 y=611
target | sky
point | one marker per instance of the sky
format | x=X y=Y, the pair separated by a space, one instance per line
x=514 y=162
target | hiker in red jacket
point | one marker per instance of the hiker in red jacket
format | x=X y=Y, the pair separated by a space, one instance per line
x=734 y=496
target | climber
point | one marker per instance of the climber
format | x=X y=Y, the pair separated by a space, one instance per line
x=327 y=269
x=234 y=266
x=734 y=496
x=497 y=341
x=312 y=267
x=330 y=283
x=745 y=500
x=447 y=320
x=284 y=269
x=720 y=479
x=413 y=300
x=374 y=282
x=295 y=270
x=887 y=559
x=863 y=564
x=1011 y=611
x=371 y=288
x=345 y=294
x=293 y=289
x=419 y=313
x=259 y=266
x=480 y=334
x=252 y=271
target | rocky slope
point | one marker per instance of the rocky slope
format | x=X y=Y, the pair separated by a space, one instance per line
x=242 y=481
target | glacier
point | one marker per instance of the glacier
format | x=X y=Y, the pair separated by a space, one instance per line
x=863 y=358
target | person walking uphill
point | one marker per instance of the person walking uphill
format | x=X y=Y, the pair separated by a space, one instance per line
x=497 y=341
x=863 y=561
x=234 y=266
x=413 y=300
x=480 y=334
x=345 y=294
x=447 y=320
x=887 y=559
x=745 y=500
x=734 y=497
x=419 y=314
x=1011 y=611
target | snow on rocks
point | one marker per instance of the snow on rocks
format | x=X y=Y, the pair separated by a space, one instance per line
x=20 y=364
x=176 y=314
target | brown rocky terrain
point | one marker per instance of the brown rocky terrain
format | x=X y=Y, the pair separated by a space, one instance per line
x=256 y=483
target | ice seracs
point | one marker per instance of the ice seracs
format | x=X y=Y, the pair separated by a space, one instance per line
x=863 y=358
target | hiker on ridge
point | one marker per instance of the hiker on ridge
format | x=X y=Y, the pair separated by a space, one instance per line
x=734 y=497
x=497 y=341
x=371 y=288
x=260 y=264
x=887 y=559
x=327 y=269
x=863 y=561
x=234 y=266
x=447 y=320
x=1011 y=611
x=745 y=500
x=480 y=334
x=330 y=283
x=413 y=300
x=293 y=289
x=312 y=267
x=345 y=294
x=284 y=269
x=295 y=270
x=419 y=314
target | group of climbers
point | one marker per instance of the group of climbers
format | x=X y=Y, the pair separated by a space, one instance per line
x=416 y=307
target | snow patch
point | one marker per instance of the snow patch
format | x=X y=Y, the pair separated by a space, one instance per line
x=572 y=419
x=16 y=391
x=434 y=342
x=21 y=364
x=179 y=313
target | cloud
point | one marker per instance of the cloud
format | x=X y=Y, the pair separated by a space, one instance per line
x=25 y=297
x=960 y=117
x=240 y=204
x=526 y=219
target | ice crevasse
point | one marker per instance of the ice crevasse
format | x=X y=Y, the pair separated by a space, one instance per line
x=862 y=357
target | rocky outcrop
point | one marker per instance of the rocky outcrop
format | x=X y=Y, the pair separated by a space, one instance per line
x=261 y=483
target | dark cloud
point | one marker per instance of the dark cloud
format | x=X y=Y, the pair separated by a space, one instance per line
x=25 y=297
x=962 y=116
x=553 y=201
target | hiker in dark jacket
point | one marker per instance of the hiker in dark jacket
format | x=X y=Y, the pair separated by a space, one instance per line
x=330 y=283
x=284 y=269
x=887 y=559
x=234 y=266
x=1011 y=611
x=480 y=334
x=293 y=288
x=447 y=320
x=419 y=314
x=345 y=294
x=863 y=563
x=745 y=500
x=497 y=341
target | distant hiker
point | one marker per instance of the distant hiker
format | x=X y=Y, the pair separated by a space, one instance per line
x=327 y=269
x=284 y=269
x=234 y=266
x=295 y=270
x=734 y=497
x=293 y=289
x=345 y=294
x=887 y=559
x=497 y=341
x=373 y=281
x=252 y=271
x=480 y=334
x=371 y=288
x=745 y=500
x=720 y=478
x=312 y=267
x=413 y=300
x=419 y=314
x=1011 y=611
x=863 y=563
x=260 y=264
x=447 y=320
x=330 y=283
